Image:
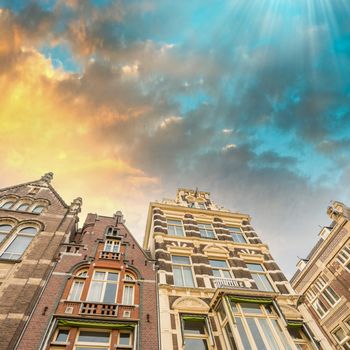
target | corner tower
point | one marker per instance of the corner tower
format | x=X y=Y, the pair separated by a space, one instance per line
x=218 y=285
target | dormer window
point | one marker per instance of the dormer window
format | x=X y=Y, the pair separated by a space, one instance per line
x=202 y=205
x=112 y=232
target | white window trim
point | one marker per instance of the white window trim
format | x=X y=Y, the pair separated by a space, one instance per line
x=176 y=225
x=77 y=343
x=186 y=265
x=212 y=229
x=133 y=293
x=105 y=282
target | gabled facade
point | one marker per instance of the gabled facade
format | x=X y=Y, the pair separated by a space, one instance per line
x=101 y=294
x=34 y=221
x=323 y=278
x=218 y=285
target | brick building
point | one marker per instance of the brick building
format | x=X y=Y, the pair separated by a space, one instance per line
x=323 y=278
x=218 y=285
x=34 y=220
x=101 y=294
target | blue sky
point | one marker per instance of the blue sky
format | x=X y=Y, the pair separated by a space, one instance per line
x=246 y=99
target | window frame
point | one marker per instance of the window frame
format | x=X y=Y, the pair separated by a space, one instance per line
x=132 y=286
x=104 y=282
x=238 y=233
x=55 y=341
x=345 y=340
x=13 y=201
x=5 y=234
x=113 y=244
x=221 y=269
x=76 y=282
x=18 y=233
x=207 y=336
x=92 y=344
x=261 y=273
x=181 y=266
x=176 y=227
x=206 y=230
x=127 y=346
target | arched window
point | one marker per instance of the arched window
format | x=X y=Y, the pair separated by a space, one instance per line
x=19 y=243
x=4 y=230
x=77 y=286
x=23 y=207
x=38 y=209
x=7 y=205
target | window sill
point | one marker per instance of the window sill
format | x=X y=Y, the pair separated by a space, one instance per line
x=13 y=261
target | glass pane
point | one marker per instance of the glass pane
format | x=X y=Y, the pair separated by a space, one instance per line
x=250 y=308
x=38 y=209
x=243 y=334
x=62 y=335
x=112 y=276
x=268 y=334
x=171 y=230
x=128 y=294
x=262 y=282
x=5 y=228
x=230 y=337
x=256 y=334
x=339 y=334
x=188 y=277
x=180 y=259
x=93 y=337
x=23 y=207
x=124 y=338
x=177 y=276
x=95 y=291
x=17 y=247
x=210 y=233
x=194 y=327
x=174 y=222
x=218 y=263
x=255 y=267
x=90 y=348
x=7 y=205
x=110 y=293
x=76 y=291
x=221 y=311
x=28 y=230
x=234 y=229
x=2 y=236
x=281 y=335
x=98 y=275
x=238 y=238
x=179 y=231
x=196 y=344
x=226 y=274
x=295 y=333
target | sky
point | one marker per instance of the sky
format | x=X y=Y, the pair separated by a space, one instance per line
x=125 y=101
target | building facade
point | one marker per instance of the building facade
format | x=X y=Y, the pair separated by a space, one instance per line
x=218 y=285
x=323 y=278
x=34 y=220
x=101 y=294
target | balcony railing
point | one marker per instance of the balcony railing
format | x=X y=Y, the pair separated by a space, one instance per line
x=109 y=255
x=230 y=283
x=96 y=309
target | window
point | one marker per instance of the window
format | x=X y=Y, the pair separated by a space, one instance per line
x=201 y=205
x=260 y=277
x=124 y=339
x=38 y=209
x=342 y=338
x=300 y=339
x=257 y=327
x=23 y=207
x=7 y=205
x=62 y=336
x=220 y=268
x=19 y=244
x=236 y=234
x=112 y=245
x=195 y=332
x=182 y=271
x=206 y=230
x=93 y=340
x=225 y=326
x=128 y=295
x=175 y=228
x=344 y=257
x=103 y=287
x=319 y=307
x=75 y=292
x=4 y=230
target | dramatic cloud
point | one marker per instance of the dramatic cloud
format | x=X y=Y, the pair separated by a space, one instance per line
x=127 y=100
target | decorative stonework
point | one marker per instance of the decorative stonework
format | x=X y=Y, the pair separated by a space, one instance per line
x=190 y=304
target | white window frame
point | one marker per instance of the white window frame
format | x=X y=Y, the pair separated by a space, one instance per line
x=342 y=342
x=221 y=269
x=206 y=227
x=5 y=234
x=130 y=340
x=177 y=227
x=344 y=257
x=16 y=234
x=56 y=335
x=206 y=336
x=317 y=305
x=77 y=298
x=127 y=285
x=78 y=344
x=261 y=273
x=104 y=282
x=113 y=243
x=181 y=266
x=235 y=230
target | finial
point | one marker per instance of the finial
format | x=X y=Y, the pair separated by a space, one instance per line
x=47 y=177
x=119 y=217
x=75 y=206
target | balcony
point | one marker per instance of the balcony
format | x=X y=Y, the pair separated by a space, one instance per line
x=109 y=255
x=230 y=283
x=96 y=309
